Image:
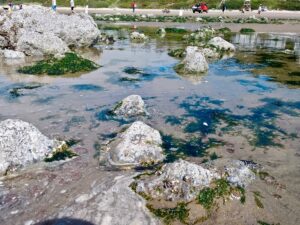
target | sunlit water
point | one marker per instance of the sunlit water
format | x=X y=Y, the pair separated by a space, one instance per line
x=257 y=89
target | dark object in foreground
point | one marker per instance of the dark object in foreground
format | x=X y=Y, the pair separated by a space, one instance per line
x=70 y=63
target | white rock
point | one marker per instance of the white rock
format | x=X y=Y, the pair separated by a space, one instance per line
x=210 y=53
x=76 y=30
x=138 y=145
x=178 y=180
x=36 y=44
x=194 y=61
x=221 y=44
x=21 y=143
x=10 y=54
x=136 y=36
x=239 y=174
x=130 y=106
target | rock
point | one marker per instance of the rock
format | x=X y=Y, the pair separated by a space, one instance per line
x=221 y=44
x=194 y=61
x=3 y=42
x=161 y=31
x=38 y=23
x=36 y=44
x=239 y=173
x=21 y=143
x=130 y=106
x=10 y=54
x=210 y=53
x=180 y=180
x=139 y=37
x=139 y=145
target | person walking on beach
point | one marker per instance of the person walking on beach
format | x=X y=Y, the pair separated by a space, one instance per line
x=72 y=4
x=223 y=5
x=133 y=6
x=54 y=5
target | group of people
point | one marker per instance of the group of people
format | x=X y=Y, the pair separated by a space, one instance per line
x=72 y=5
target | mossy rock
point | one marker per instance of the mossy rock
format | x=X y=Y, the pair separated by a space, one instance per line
x=70 y=63
x=247 y=30
x=175 y=30
x=61 y=153
x=177 y=53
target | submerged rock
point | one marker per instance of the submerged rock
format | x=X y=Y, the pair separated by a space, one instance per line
x=178 y=180
x=221 y=44
x=194 y=62
x=130 y=106
x=239 y=174
x=139 y=145
x=21 y=143
x=43 y=31
x=139 y=37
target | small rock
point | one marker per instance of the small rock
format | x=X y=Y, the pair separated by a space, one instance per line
x=139 y=145
x=221 y=44
x=130 y=106
x=139 y=37
x=10 y=54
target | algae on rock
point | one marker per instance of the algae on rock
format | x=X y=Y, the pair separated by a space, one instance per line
x=70 y=63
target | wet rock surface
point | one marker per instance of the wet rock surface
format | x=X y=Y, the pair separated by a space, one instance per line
x=131 y=106
x=221 y=44
x=139 y=145
x=194 y=62
x=21 y=143
x=36 y=30
x=180 y=180
x=10 y=54
x=138 y=37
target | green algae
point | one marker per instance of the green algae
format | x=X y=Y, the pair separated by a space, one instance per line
x=247 y=30
x=61 y=153
x=168 y=215
x=70 y=63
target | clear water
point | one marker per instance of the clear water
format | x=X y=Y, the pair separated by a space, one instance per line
x=254 y=94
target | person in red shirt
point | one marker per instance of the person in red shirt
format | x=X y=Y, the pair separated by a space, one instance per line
x=133 y=6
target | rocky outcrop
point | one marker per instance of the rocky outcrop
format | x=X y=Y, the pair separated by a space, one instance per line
x=21 y=143
x=183 y=180
x=43 y=31
x=221 y=44
x=178 y=180
x=130 y=106
x=194 y=62
x=138 y=37
x=139 y=145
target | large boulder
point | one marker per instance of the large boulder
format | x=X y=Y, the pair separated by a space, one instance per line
x=194 y=61
x=130 y=106
x=21 y=143
x=221 y=44
x=76 y=30
x=139 y=145
x=36 y=44
x=178 y=180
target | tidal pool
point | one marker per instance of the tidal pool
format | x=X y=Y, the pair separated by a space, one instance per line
x=245 y=107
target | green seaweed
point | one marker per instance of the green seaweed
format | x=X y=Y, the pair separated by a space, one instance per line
x=70 y=63
x=168 y=215
x=257 y=199
x=178 y=53
x=61 y=154
x=247 y=30
x=206 y=197
x=213 y=156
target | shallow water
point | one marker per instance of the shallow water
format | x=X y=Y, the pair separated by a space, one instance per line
x=244 y=107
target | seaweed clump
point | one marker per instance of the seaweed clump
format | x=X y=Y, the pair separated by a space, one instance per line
x=180 y=212
x=221 y=189
x=70 y=63
x=61 y=153
x=247 y=30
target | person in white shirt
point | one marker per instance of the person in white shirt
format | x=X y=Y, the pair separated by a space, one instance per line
x=72 y=4
x=54 y=5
